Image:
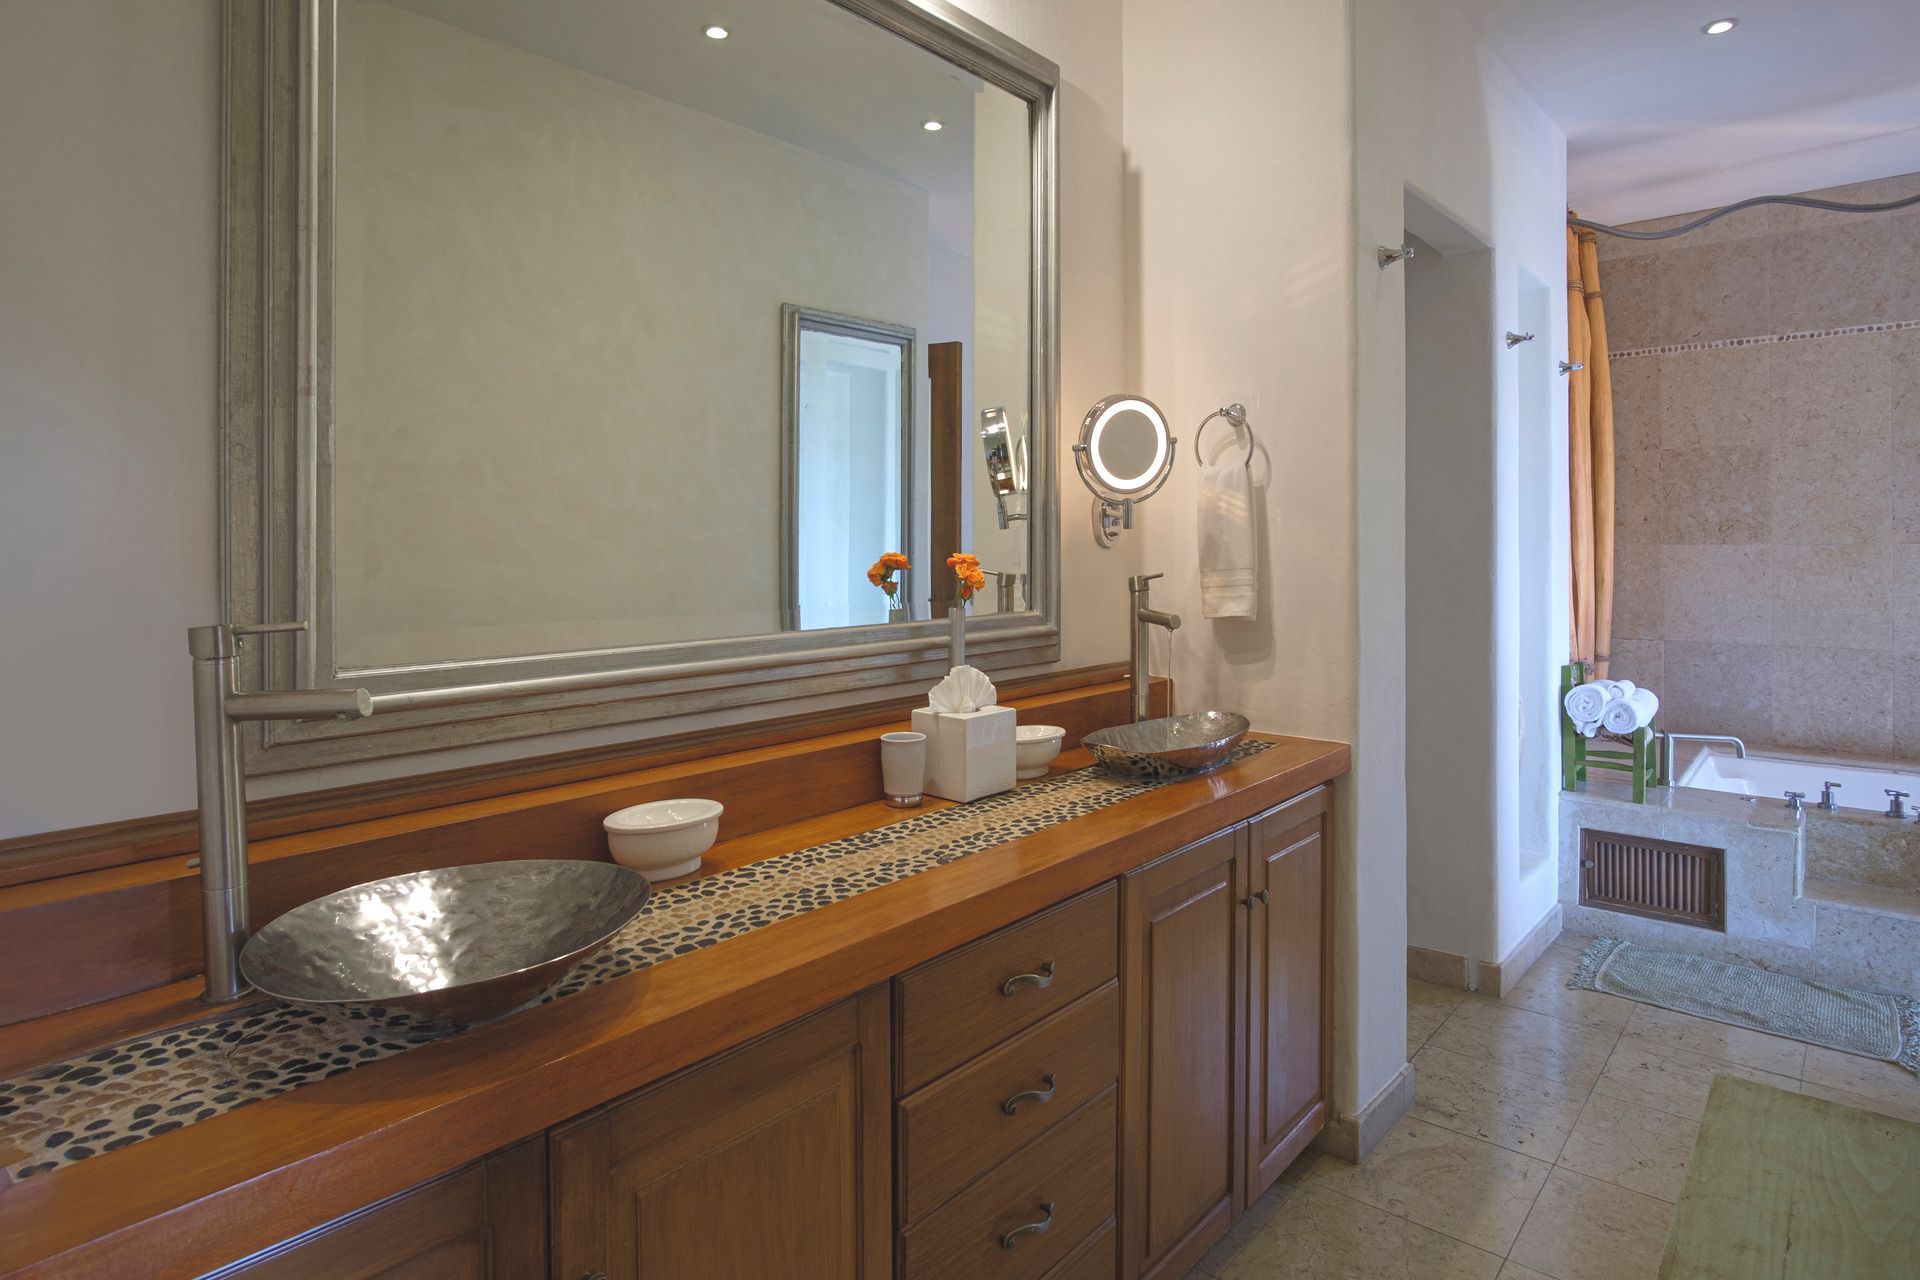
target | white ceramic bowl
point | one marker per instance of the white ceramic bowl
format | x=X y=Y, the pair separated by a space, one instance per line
x=1034 y=747
x=663 y=839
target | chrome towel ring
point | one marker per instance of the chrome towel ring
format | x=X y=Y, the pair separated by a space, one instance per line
x=1236 y=416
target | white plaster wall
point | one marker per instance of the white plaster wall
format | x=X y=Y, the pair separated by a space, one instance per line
x=1239 y=171
x=108 y=349
x=1439 y=117
x=108 y=364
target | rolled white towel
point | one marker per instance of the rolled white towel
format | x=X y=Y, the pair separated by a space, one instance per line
x=1635 y=711
x=1585 y=703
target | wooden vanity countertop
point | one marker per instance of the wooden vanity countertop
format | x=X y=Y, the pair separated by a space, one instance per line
x=192 y=1200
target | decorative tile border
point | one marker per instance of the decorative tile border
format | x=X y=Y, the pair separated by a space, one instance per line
x=1677 y=348
x=69 y=1111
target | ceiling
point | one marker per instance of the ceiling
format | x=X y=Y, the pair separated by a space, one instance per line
x=803 y=71
x=1662 y=119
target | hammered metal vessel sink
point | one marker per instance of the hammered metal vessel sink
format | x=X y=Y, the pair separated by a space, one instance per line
x=1170 y=747
x=456 y=945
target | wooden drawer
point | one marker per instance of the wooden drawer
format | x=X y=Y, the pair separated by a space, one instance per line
x=1070 y=1168
x=1093 y=1260
x=967 y=1001
x=958 y=1127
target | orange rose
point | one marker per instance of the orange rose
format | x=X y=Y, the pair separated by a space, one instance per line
x=894 y=560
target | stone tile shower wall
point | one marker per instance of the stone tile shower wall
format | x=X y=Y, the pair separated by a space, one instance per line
x=1766 y=374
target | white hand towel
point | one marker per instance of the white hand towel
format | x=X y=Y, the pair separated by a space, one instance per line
x=1635 y=711
x=1227 y=547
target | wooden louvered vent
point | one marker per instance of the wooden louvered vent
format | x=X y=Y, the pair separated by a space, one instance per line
x=1660 y=879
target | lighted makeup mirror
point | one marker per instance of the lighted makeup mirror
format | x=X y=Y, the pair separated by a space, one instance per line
x=1124 y=455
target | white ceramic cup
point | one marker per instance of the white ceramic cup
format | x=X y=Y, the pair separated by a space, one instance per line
x=903 y=768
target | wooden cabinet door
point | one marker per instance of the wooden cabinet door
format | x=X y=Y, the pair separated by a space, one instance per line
x=771 y=1160
x=487 y=1221
x=1183 y=945
x=1286 y=1031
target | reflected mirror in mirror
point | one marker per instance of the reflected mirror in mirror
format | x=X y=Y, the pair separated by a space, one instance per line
x=574 y=405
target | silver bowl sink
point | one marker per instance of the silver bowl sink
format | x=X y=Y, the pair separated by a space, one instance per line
x=1171 y=747
x=456 y=945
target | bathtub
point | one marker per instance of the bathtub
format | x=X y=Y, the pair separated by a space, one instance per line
x=1861 y=787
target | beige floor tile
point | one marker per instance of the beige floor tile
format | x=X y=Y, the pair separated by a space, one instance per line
x=1427 y=1007
x=1469 y=1189
x=1548 y=993
x=1569 y=1052
x=1325 y=1236
x=1514 y=1271
x=1585 y=1229
x=1864 y=1077
x=1718 y=1040
x=1631 y=1146
x=1663 y=1078
x=1498 y=1103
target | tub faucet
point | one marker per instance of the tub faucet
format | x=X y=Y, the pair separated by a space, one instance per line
x=1141 y=617
x=1827 y=799
x=1796 y=802
x=1897 y=803
x=219 y=708
x=1663 y=751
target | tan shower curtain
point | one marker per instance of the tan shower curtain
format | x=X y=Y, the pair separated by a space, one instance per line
x=1589 y=454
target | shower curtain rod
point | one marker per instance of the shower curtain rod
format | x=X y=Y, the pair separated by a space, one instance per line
x=1808 y=202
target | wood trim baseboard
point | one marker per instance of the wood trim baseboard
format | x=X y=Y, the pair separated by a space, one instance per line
x=46 y=855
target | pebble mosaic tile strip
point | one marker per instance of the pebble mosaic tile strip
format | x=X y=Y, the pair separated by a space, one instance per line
x=69 y=1111
x=1674 y=349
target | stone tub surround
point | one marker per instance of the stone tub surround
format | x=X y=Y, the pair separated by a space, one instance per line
x=112 y=1098
x=1767 y=402
x=1776 y=918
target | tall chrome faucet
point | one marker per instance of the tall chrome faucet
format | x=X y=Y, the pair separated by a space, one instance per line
x=1142 y=617
x=218 y=710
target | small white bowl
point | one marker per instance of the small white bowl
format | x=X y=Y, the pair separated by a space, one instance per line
x=1034 y=747
x=663 y=839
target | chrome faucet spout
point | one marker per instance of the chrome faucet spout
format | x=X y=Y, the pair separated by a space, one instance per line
x=218 y=711
x=1140 y=619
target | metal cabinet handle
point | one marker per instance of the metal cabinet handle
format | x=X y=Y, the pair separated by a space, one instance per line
x=1039 y=1228
x=1044 y=978
x=593 y=1275
x=1250 y=899
x=1012 y=1105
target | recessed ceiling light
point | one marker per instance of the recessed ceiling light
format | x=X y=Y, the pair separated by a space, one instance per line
x=1720 y=26
x=932 y=126
x=717 y=32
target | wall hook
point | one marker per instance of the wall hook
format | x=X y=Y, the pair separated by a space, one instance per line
x=1570 y=368
x=1390 y=256
x=1515 y=339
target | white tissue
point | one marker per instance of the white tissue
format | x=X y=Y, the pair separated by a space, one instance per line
x=964 y=689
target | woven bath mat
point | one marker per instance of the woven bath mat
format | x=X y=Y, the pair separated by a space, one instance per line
x=1857 y=1022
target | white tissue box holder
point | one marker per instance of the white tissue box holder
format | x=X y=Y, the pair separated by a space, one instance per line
x=970 y=754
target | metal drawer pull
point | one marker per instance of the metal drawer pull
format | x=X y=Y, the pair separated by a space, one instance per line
x=1012 y=1105
x=1250 y=899
x=1044 y=978
x=1039 y=1228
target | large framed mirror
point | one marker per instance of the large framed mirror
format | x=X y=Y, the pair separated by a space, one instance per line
x=582 y=358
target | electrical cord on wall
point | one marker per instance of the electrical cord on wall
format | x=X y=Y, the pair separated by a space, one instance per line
x=1805 y=202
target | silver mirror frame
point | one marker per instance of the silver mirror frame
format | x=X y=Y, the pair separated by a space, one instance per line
x=276 y=425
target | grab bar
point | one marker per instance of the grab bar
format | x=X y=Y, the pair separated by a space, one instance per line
x=1663 y=751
